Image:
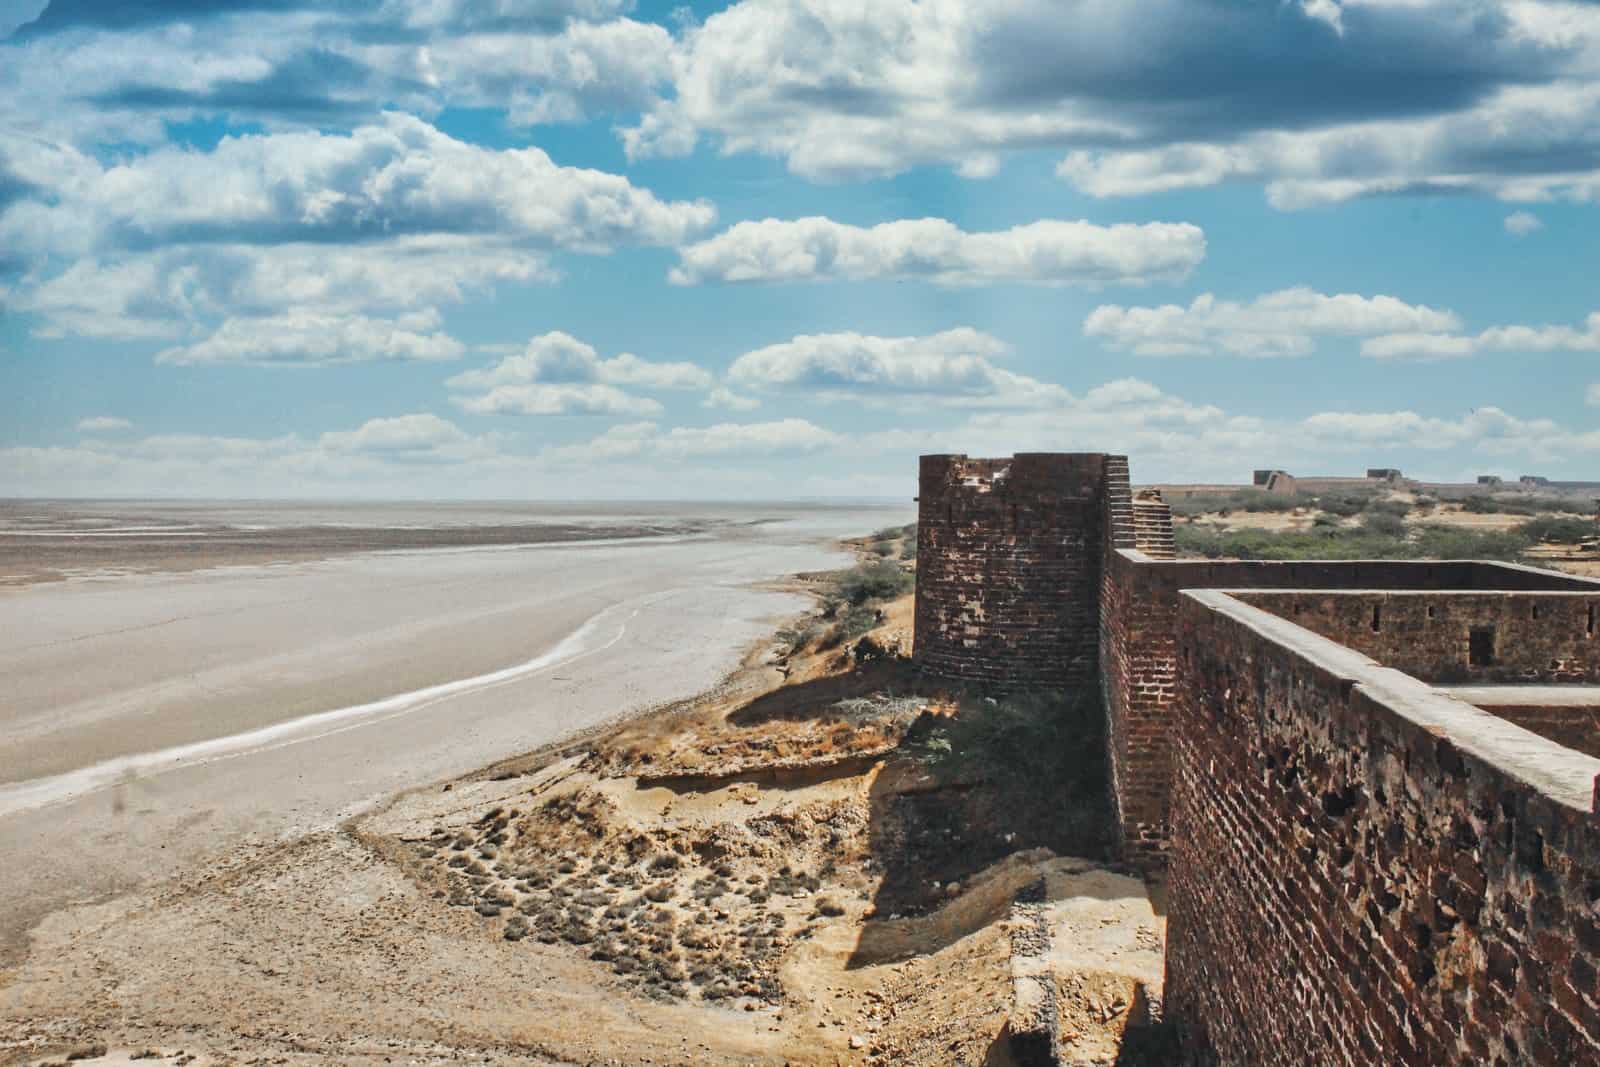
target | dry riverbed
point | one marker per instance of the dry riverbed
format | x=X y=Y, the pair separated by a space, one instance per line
x=767 y=874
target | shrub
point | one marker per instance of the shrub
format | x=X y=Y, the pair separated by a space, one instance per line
x=1383 y=524
x=1554 y=528
x=883 y=549
x=873 y=581
x=851 y=623
x=1034 y=745
x=1343 y=504
x=1387 y=506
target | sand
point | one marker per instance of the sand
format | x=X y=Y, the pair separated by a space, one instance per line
x=154 y=722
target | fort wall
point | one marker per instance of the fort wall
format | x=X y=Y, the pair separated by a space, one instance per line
x=1138 y=653
x=1365 y=871
x=1009 y=555
x=1457 y=637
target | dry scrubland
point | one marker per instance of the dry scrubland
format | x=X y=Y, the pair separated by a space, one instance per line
x=1547 y=530
x=818 y=863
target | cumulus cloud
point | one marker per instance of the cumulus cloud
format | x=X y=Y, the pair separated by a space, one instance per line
x=104 y=424
x=393 y=216
x=418 y=437
x=314 y=338
x=1319 y=99
x=557 y=374
x=723 y=397
x=396 y=177
x=1049 y=252
x=404 y=455
x=650 y=441
x=173 y=291
x=1522 y=223
x=1520 y=143
x=1516 y=338
x=953 y=367
x=1284 y=323
x=292 y=63
x=558 y=400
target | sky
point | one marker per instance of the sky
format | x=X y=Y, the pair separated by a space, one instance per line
x=771 y=249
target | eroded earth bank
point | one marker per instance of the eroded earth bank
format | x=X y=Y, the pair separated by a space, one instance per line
x=823 y=861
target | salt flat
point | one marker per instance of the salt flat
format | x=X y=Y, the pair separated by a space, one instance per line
x=150 y=720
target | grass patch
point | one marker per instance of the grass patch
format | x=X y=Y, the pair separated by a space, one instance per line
x=1378 y=536
x=1034 y=744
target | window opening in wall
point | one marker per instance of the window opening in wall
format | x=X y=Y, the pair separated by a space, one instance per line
x=1591 y=620
x=1535 y=612
x=1430 y=611
x=1377 y=618
x=1480 y=646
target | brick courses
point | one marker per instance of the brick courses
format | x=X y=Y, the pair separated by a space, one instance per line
x=1008 y=569
x=1364 y=871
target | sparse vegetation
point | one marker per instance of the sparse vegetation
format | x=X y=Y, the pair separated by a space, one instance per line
x=1378 y=536
x=1036 y=744
x=1485 y=504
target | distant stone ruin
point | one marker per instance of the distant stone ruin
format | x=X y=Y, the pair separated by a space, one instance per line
x=1372 y=785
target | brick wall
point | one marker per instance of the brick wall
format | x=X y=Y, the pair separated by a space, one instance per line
x=1451 y=637
x=1139 y=602
x=1573 y=727
x=1365 y=872
x=1008 y=568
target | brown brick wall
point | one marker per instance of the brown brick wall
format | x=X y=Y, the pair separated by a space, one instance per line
x=1358 y=877
x=1008 y=568
x=1139 y=600
x=1575 y=728
x=1528 y=637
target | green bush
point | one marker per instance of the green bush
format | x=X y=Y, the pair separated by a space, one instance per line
x=1050 y=744
x=849 y=624
x=1358 y=542
x=1343 y=504
x=1383 y=524
x=1557 y=528
x=884 y=549
x=873 y=581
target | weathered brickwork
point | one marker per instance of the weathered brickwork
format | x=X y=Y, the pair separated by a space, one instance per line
x=1572 y=727
x=1008 y=568
x=1139 y=601
x=1364 y=871
x=1452 y=637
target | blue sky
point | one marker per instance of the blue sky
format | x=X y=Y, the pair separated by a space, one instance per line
x=775 y=248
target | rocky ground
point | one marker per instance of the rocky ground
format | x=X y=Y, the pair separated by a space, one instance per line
x=767 y=875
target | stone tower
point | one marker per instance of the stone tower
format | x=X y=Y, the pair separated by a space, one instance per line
x=1009 y=555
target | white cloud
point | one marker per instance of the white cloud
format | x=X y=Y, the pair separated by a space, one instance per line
x=1591 y=395
x=953 y=367
x=649 y=441
x=1483 y=149
x=317 y=338
x=104 y=424
x=1522 y=223
x=1049 y=252
x=397 y=177
x=1391 y=96
x=557 y=374
x=723 y=397
x=1284 y=323
x=570 y=399
x=405 y=456
x=1516 y=338
x=1327 y=11
x=175 y=291
x=419 y=437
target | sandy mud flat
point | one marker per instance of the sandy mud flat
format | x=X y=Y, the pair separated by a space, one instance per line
x=152 y=721
x=765 y=873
